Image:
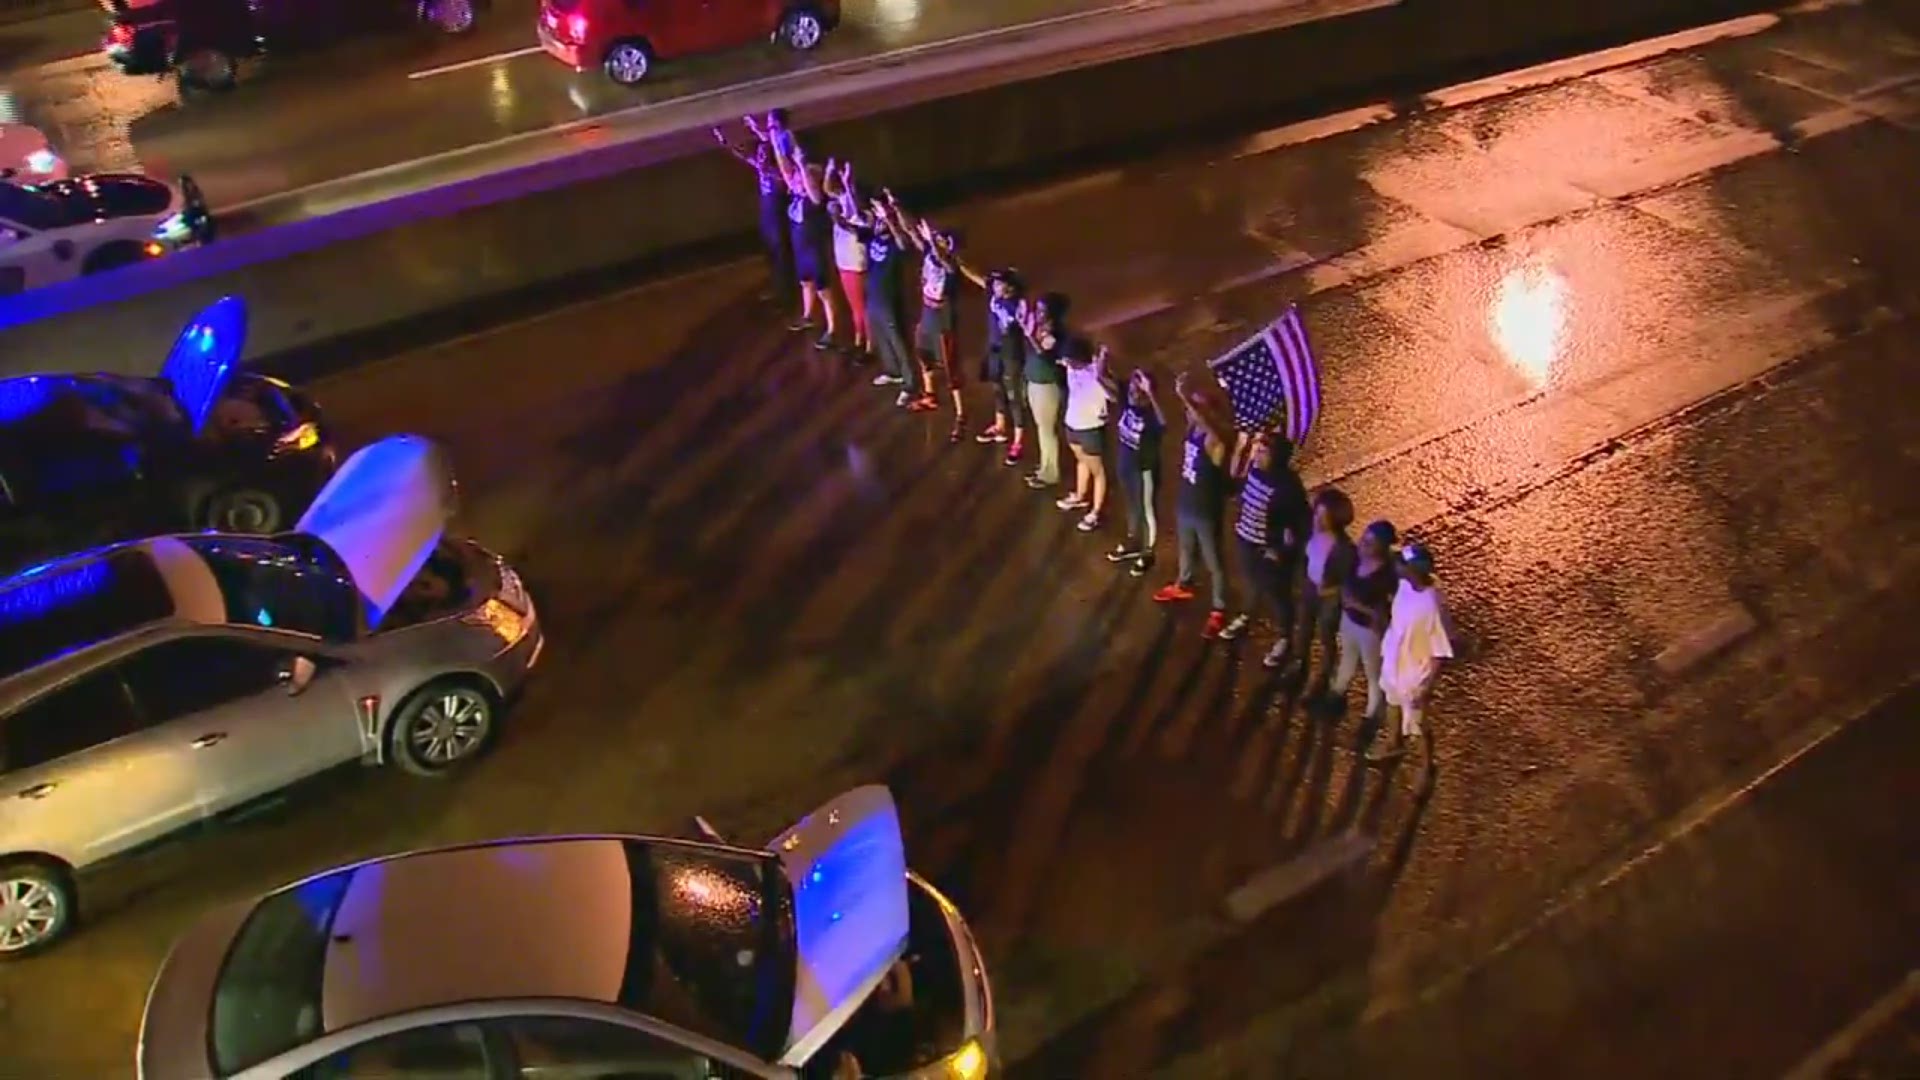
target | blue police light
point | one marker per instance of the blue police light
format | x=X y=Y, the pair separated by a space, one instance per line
x=263 y=617
x=42 y=589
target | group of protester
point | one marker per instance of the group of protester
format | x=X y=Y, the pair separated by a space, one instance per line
x=841 y=246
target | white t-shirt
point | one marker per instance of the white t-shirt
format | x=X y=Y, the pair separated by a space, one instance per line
x=1419 y=636
x=848 y=252
x=1087 y=398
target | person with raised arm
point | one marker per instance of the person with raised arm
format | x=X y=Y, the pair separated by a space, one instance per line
x=811 y=232
x=1044 y=324
x=1202 y=502
x=887 y=244
x=1003 y=364
x=848 y=211
x=773 y=205
x=933 y=338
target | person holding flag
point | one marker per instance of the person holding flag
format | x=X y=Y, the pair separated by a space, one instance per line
x=1200 y=507
x=1270 y=529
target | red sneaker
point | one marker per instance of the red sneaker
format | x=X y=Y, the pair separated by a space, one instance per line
x=1216 y=622
x=1013 y=453
x=924 y=403
x=1173 y=593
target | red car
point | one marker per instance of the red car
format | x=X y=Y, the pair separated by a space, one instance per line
x=203 y=40
x=625 y=37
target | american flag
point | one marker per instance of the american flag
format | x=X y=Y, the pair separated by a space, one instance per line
x=1271 y=379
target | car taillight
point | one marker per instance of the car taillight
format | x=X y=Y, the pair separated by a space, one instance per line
x=576 y=28
x=120 y=36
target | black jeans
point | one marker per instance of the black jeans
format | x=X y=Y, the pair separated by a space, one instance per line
x=1010 y=395
x=1269 y=583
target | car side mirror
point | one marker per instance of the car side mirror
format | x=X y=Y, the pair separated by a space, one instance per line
x=296 y=674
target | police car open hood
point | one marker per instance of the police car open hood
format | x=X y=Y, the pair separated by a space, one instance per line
x=204 y=358
x=847 y=867
x=383 y=514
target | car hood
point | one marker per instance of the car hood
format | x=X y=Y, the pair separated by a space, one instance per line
x=847 y=867
x=204 y=358
x=383 y=513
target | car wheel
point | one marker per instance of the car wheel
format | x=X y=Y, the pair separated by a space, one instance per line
x=443 y=726
x=208 y=69
x=112 y=257
x=802 y=29
x=628 y=62
x=36 y=906
x=448 y=16
x=242 y=510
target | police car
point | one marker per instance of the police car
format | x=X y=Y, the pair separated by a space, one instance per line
x=59 y=230
x=26 y=157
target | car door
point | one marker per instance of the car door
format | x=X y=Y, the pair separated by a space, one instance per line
x=248 y=721
x=729 y=24
x=456 y=1051
x=83 y=775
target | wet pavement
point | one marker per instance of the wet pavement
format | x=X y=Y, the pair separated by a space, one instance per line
x=321 y=116
x=1631 y=350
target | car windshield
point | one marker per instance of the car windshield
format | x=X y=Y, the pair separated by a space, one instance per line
x=282 y=584
x=711 y=951
x=55 y=609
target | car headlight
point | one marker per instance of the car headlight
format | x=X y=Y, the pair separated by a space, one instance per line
x=507 y=623
x=513 y=591
x=304 y=437
x=967 y=1063
x=43 y=161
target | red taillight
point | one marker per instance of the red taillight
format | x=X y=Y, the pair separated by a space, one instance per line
x=120 y=36
x=577 y=28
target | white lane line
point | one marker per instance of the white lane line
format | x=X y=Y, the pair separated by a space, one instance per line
x=1823 y=1061
x=664 y=118
x=499 y=57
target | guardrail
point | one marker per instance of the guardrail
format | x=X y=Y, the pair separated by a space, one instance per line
x=562 y=224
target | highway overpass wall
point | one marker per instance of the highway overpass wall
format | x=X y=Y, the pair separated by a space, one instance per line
x=461 y=256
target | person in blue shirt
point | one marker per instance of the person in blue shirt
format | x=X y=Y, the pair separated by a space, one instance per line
x=1137 y=466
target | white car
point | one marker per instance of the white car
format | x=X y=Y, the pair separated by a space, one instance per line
x=27 y=158
x=60 y=230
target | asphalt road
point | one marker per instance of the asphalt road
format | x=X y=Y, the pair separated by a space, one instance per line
x=375 y=102
x=1631 y=349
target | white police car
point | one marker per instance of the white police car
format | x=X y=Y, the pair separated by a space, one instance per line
x=62 y=229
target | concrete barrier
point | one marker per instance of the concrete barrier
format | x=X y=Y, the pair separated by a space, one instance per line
x=463 y=257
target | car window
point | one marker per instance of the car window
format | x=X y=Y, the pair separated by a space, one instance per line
x=52 y=610
x=441 y=1052
x=571 y=1048
x=189 y=675
x=78 y=716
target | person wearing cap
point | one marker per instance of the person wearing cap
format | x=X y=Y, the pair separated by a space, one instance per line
x=1419 y=639
x=1366 y=596
x=1003 y=365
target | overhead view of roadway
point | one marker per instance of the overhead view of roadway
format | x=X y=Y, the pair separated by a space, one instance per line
x=387 y=100
x=1628 y=344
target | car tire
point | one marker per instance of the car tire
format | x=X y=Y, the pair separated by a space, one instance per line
x=629 y=62
x=244 y=510
x=442 y=726
x=451 y=17
x=35 y=895
x=208 y=69
x=802 y=29
x=112 y=257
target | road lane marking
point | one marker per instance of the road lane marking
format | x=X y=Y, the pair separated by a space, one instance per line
x=496 y=58
x=1727 y=628
x=1827 y=1058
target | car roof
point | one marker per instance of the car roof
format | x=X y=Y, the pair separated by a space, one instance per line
x=536 y=917
x=45 y=590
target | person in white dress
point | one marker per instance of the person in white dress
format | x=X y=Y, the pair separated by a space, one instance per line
x=1419 y=641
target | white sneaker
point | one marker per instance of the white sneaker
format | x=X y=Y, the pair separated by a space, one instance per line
x=902 y=399
x=1071 y=502
x=884 y=379
x=1276 y=655
x=1089 y=523
x=1234 y=628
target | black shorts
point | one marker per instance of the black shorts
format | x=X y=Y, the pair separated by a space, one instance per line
x=934 y=334
x=812 y=265
x=1091 y=441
